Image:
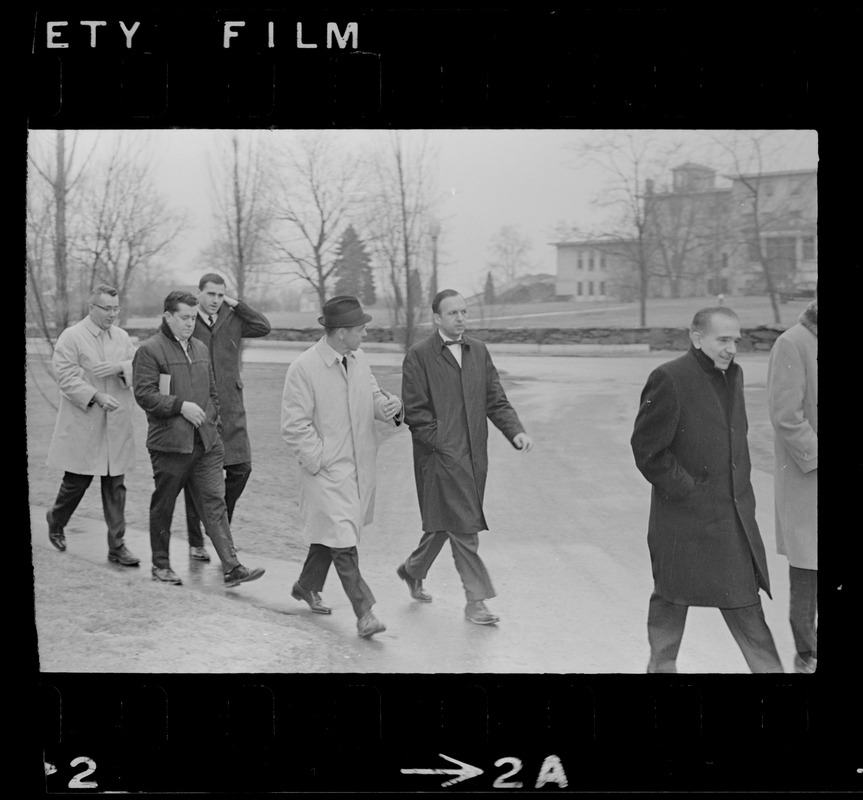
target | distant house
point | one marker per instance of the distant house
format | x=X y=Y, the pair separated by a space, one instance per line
x=700 y=239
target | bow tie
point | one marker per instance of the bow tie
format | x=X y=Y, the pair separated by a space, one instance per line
x=449 y=342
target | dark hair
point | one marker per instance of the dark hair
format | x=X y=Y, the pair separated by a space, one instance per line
x=97 y=291
x=441 y=296
x=702 y=318
x=173 y=300
x=210 y=277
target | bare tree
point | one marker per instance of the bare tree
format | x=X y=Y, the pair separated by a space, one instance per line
x=631 y=159
x=242 y=212
x=400 y=217
x=509 y=255
x=317 y=192
x=127 y=223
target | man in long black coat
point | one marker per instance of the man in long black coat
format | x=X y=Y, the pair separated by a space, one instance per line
x=450 y=388
x=705 y=547
x=222 y=323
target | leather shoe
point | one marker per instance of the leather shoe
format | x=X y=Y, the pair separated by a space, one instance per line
x=55 y=533
x=124 y=557
x=199 y=554
x=368 y=625
x=415 y=587
x=166 y=575
x=805 y=665
x=241 y=574
x=312 y=598
x=477 y=613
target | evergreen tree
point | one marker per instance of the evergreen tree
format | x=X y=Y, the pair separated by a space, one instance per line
x=488 y=294
x=353 y=269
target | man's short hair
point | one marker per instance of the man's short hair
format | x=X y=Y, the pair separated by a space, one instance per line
x=701 y=320
x=210 y=277
x=173 y=300
x=441 y=296
x=99 y=290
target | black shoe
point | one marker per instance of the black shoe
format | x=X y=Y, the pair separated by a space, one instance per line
x=55 y=533
x=124 y=557
x=368 y=625
x=166 y=575
x=477 y=613
x=312 y=598
x=415 y=587
x=241 y=574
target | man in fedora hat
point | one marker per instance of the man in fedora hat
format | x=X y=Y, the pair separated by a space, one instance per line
x=329 y=405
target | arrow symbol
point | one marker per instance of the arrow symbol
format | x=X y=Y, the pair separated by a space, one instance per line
x=464 y=771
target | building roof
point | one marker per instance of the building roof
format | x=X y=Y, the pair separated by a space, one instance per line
x=772 y=174
x=594 y=242
x=693 y=165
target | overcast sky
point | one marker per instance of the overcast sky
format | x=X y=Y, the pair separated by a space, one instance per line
x=531 y=179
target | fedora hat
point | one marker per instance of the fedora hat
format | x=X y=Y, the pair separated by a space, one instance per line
x=343 y=311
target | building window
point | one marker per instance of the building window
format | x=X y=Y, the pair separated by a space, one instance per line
x=590 y=288
x=796 y=187
x=578 y=289
x=602 y=287
x=590 y=262
x=580 y=265
x=808 y=248
x=768 y=188
x=602 y=261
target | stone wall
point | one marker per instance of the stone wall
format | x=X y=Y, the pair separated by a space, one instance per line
x=754 y=339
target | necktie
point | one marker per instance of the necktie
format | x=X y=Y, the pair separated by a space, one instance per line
x=448 y=342
x=345 y=363
x=212 y=321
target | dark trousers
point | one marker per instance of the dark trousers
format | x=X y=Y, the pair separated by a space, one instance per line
x=803 y=611
x=201 y=471
x=665 y=623
x=72 y=489
x=347 y=563
x=471 y=569
x=236 y=477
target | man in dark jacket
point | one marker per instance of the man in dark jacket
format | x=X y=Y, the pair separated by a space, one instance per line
x=222 y=323
x=173 y=382
x=705 y=547
x=449 y=387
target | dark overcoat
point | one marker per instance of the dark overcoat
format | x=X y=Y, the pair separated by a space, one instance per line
x=224 y=340
x=446 y=408
x=690 y=443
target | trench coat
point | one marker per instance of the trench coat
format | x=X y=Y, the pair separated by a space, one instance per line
x=447 y=409
x=792 y=400
x=327 y=422
x=704 y=542
x=88 y=440
x=224 y=341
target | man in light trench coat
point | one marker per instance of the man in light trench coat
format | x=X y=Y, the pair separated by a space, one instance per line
x=329 y=405
x=705 y=548
x=222 y=324
x=93 y=434
x=792 y=400
x=450 y=388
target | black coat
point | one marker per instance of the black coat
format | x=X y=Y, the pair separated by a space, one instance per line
x=446 y=409
x=690 y=443
x=224 y=341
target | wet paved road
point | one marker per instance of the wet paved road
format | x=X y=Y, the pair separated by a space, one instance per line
x=566 y=551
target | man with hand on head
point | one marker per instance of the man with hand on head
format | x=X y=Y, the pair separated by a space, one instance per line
x=450 y=388
x=705 y=548
x=93 y=435
x=222 y=323
x=329 y=405
x=174 y=384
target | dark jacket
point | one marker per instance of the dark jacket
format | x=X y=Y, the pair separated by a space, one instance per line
x=690 y=443
x=446 y=409
x=162 y=355
x=224 y=341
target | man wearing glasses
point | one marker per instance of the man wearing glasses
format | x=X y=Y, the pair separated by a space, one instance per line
x=93 y=435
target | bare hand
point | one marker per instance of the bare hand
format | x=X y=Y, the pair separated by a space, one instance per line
x=105 y=369
x=106 y=402
x=523 y=442
x=230 y=301
x=392 y=406
x=194 y=413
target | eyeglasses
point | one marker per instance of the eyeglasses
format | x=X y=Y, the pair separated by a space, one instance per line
x=108 y=309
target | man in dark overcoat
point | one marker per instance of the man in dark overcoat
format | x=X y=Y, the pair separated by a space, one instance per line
x=705 y=547
x=450 y=387
x=221 y=324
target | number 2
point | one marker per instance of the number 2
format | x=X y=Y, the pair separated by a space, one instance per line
x=501 y=782
x=78 y=781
